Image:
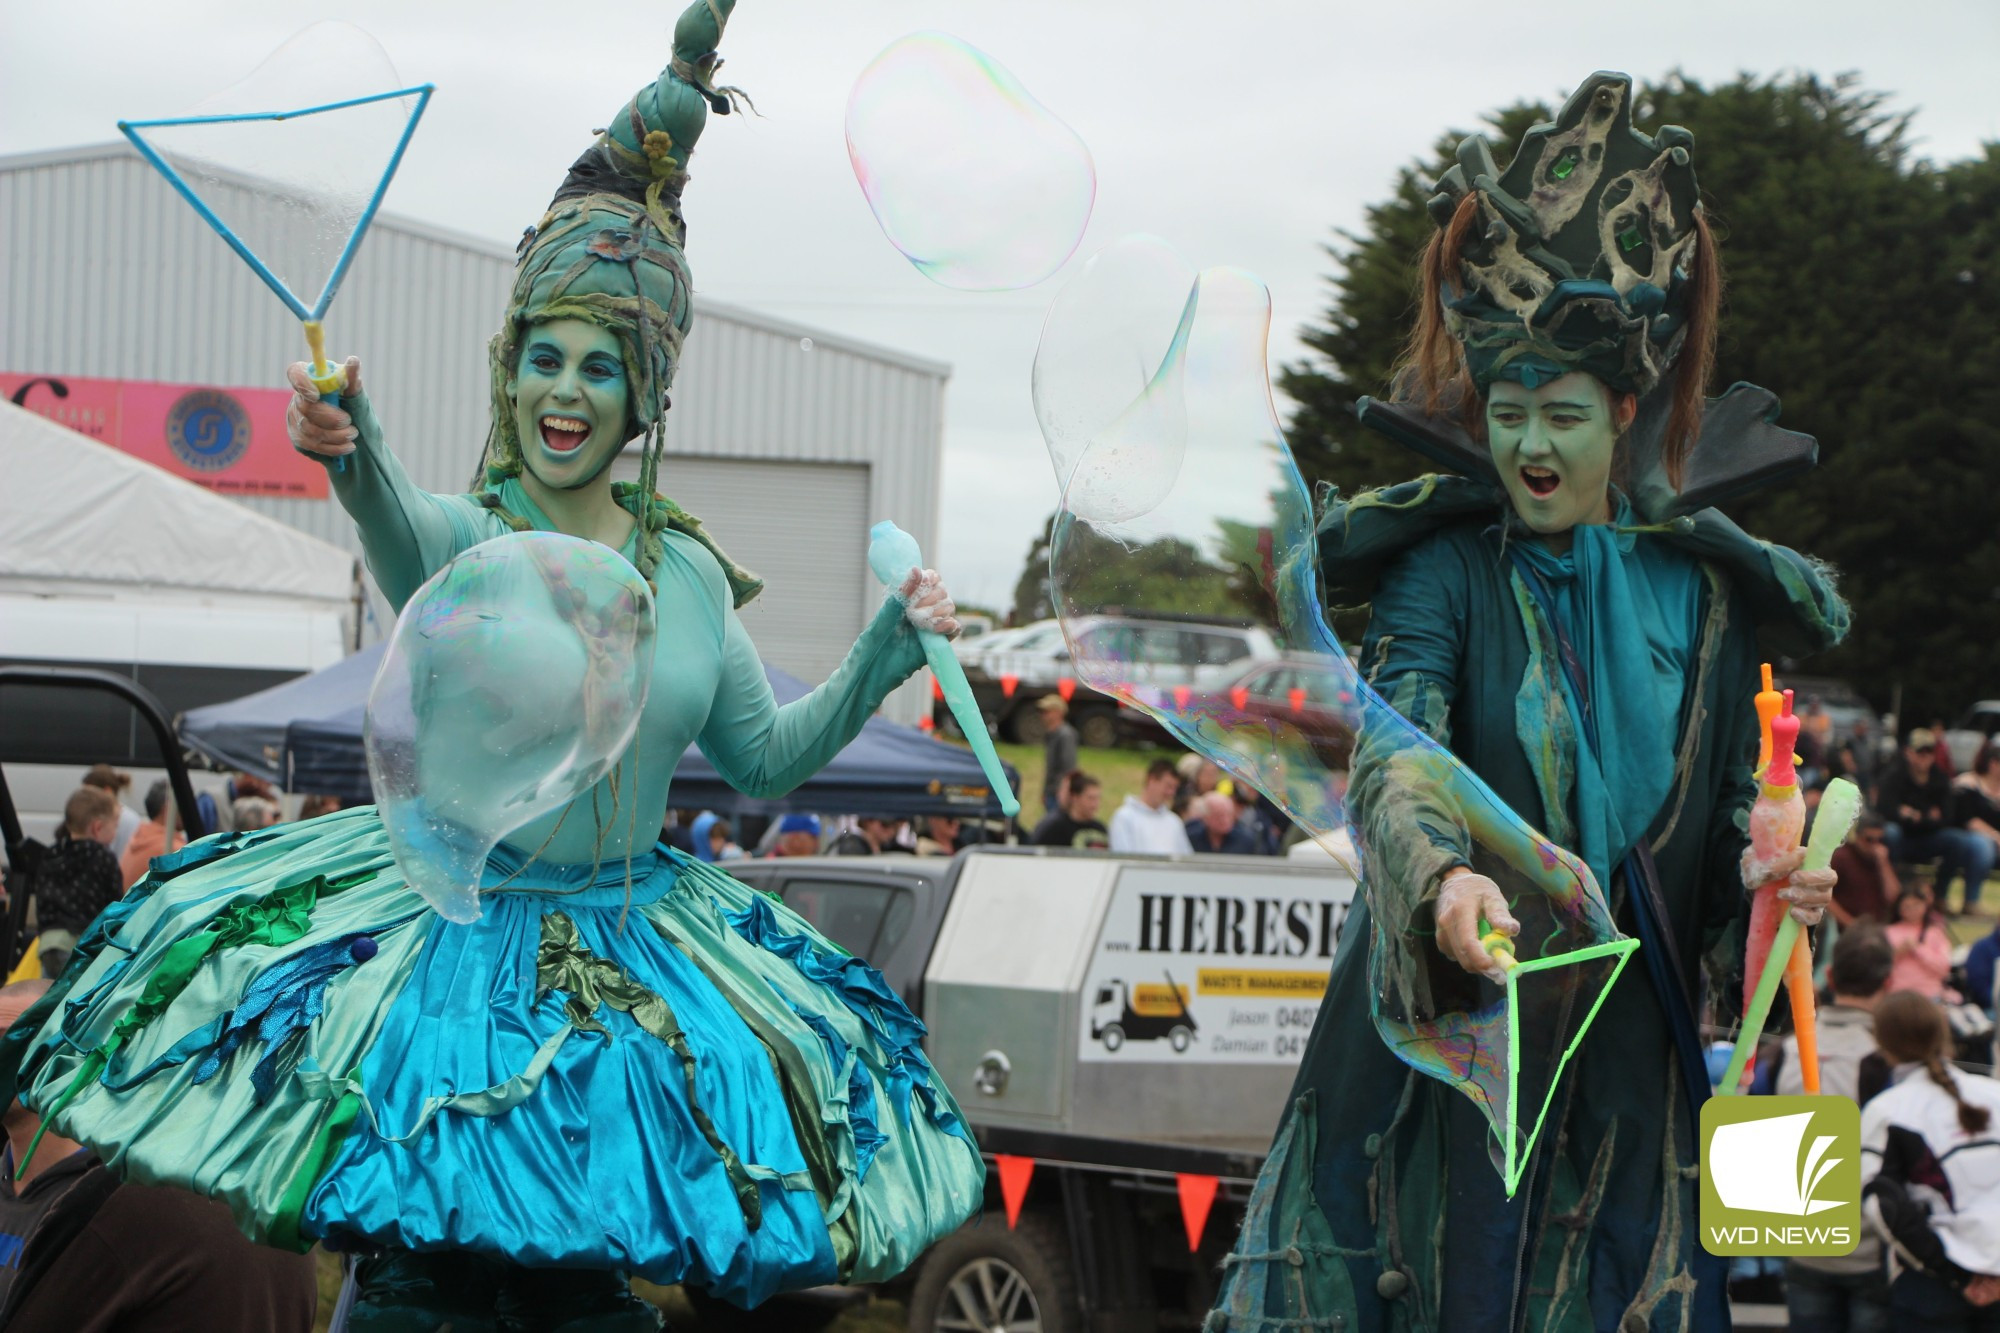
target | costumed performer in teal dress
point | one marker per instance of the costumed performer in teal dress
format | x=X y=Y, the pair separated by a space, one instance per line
x=1572 y=618
x=630 y=1063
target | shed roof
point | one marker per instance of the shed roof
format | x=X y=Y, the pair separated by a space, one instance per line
x=706 y=307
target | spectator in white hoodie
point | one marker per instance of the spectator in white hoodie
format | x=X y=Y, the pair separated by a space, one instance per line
x=1930 y=1167
x=1147 y=822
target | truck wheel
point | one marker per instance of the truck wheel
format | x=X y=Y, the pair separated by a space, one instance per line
x=1112 y=1036
x=1026 y=726
x=987 y=1277
x=1098 y=729
x=1179 y=1039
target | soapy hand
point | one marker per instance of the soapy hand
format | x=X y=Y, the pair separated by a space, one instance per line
x=314 y=427
x=1807 y=891
x=1464 y=900
x=927 y=605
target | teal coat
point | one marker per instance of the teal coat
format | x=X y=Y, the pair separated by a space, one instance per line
x=1379 y=1203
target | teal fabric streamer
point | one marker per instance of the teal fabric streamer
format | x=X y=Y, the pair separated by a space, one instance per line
x=1633 y=619
x=868 y=1135
x=281 y=1003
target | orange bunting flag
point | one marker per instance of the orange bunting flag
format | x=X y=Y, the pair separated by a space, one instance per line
x=1197 y=1197
x=1297 y=698
x=1066 y=688
x=924 y=723
x=1008 y=684
x=1181 y=696
x=937 y=688
x=1239 y=697
x=1015 y=1173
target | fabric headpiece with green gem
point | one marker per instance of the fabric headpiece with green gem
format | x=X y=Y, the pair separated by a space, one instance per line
x=1580 y=256
x=610 y=252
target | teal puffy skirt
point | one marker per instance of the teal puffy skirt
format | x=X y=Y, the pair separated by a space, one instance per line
x=678 y=1079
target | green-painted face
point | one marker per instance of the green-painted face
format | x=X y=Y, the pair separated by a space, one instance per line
x=571 y=402
x=1553 y=448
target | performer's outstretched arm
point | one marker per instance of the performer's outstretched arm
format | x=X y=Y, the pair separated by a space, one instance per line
x=762 y=749
x=1415 y=837
x=408 y=533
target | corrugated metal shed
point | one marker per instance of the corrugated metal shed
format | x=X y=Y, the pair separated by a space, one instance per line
x=105 y=272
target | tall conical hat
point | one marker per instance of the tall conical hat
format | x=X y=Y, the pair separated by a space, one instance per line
x=609 y=251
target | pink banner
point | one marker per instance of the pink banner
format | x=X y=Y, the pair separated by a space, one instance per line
x=229 y=440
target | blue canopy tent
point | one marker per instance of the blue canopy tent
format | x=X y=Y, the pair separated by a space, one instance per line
x=305 y=735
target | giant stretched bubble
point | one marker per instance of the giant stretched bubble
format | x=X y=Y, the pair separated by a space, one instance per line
x=1183 y=514
x=978 y=184
x=513 y=683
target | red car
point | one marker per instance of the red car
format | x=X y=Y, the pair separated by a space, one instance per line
x=1303 y=693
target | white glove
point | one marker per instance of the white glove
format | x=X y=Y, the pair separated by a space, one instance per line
x=927 y=605
x=1808 y=891
x=315 y=428
x=1464 y=899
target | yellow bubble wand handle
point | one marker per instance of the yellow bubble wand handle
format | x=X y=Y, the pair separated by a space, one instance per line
x=329 y=380
x=1499 y=944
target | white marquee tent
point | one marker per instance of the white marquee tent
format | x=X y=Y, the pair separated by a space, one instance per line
x=80 y=518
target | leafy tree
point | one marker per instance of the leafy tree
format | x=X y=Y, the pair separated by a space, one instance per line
x=1862 y=289
x=1167 y=575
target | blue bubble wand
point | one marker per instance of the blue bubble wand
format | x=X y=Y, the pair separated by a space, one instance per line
x=892 y=554
x=328 y=379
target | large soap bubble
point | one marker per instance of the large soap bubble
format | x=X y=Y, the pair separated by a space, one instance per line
x=1186 y=532
x=977 y=183
x=513 y=683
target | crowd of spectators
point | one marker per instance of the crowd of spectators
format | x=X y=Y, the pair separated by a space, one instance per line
x=102 y=846
x=1929 y=1257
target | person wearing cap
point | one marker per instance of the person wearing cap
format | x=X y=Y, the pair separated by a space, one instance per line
x=1058 y=749
x=798 y=835
x=872 y=835
x=1916 y=799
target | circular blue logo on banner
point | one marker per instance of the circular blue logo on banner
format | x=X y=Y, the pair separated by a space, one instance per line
x=208 y=430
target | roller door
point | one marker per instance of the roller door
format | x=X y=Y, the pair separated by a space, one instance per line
x=803 y=528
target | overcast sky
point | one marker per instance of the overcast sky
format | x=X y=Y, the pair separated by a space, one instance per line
x=1244 y=137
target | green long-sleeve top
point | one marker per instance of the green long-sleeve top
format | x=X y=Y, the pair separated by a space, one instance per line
x=708 y=687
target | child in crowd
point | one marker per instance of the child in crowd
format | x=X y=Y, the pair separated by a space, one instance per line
x=79 y=878
x=1930 y=1167
x=1922 y=946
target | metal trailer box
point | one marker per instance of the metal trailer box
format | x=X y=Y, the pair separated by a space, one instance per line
x=1151 y=998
